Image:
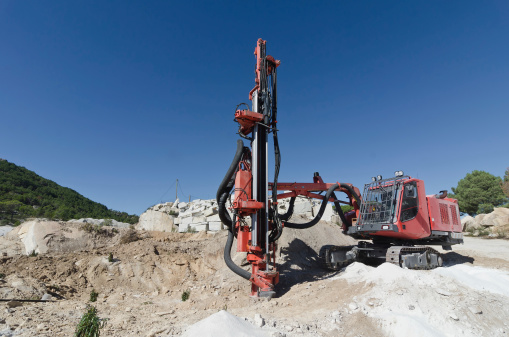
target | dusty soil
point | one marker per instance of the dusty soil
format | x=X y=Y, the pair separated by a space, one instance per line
x=140 y=291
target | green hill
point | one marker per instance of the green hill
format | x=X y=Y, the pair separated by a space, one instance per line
x=24 y=194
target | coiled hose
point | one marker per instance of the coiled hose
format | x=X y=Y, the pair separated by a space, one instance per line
x=222 y=195
x=330 y=192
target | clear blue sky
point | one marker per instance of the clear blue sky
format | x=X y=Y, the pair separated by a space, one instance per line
x=118 y=99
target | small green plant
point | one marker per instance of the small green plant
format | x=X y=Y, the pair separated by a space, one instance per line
x=90 y=324
x=93 y=295
x=110 y=257
x=148 y=302
x=2 y=276
x=191 y=229
x=33 y=253
x=484 y=232
x=175 y=213
x=185 y=295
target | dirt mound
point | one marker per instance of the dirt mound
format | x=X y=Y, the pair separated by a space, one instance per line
x=141 y=276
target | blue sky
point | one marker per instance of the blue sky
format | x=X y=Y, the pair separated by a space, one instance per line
x=118 y=99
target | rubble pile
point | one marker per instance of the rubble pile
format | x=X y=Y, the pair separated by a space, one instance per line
x=201 y=215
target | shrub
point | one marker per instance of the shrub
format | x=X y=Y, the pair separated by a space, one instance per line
x=94 y=229
x=185 y=295
x=93 y=295
x=90 y=324
x=2 y=276
x=110 y=257
x=33 y=253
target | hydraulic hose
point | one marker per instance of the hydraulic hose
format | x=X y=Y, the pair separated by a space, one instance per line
x=226 y=186
x=231 y=170
x=228 y=259
x=289 y=213
x=329 y=194
x=318 y=215
x=352 y=192
x=340 y=211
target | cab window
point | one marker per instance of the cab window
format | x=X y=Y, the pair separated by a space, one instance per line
x=410 y=202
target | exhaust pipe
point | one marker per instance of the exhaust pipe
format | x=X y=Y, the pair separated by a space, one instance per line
x=441 y=194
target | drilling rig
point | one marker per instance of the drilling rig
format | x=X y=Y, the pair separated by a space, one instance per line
x=396 y=214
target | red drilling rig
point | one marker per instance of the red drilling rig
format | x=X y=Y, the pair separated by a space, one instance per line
x=396 y=215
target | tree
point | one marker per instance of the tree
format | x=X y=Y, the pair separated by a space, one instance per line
x=505 y=183
x=11 y=207
x=479 y=188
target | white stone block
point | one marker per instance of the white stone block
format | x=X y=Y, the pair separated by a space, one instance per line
x=201 y=227
x=213 y=218
x=215 y=225
x=183 y=228
x=210 y=211
x=301 y=207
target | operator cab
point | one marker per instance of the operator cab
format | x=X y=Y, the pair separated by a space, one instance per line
x=394 y=207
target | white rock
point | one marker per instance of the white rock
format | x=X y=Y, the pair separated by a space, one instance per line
x=215 y=226
x=152 y=220
x=258 y=320
x=214 y=217
x=353 y=306
x=210 y=211
x=302 y=206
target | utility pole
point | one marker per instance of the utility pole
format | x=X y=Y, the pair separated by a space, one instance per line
x=177 y=190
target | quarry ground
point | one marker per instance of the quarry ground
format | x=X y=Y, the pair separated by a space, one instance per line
x=140 y=292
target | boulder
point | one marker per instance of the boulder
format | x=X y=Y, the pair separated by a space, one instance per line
x=468 y=222
x=328 y=213
x=42 y=236
x=499 y=217
x=154 y=220
x=302 y=206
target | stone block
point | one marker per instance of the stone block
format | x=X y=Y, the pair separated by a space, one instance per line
x=214 y=217
x=210 y=211
x=215 y=225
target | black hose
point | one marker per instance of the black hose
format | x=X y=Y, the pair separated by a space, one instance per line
x=289 y=213
x=226 y=186
x=340 y=211
x=228 y=259
x=318 y=215
x=352 y=192
x=231 y=170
